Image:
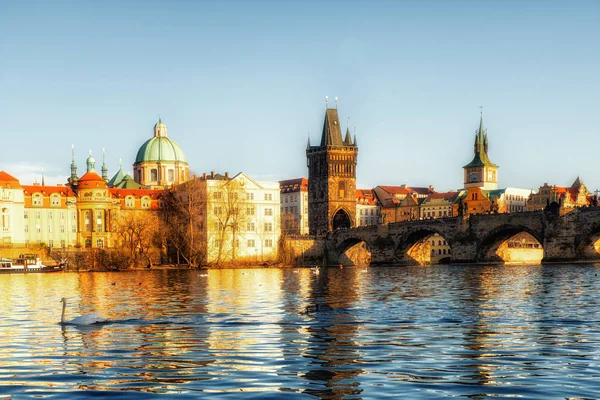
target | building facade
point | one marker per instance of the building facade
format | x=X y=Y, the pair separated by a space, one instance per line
x=294 y=206
x=577 y=195
x=332 y=178
x=242 y=218
x=367 y=209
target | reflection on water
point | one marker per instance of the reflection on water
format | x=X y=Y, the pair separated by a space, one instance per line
x=442 y=331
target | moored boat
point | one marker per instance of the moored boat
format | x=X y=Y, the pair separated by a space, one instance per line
x=25 y=263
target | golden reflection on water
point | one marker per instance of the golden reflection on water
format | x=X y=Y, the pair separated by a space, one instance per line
x=261 y=329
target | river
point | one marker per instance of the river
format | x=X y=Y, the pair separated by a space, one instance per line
x=397 y=332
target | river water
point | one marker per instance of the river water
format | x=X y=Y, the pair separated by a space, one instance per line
x=416 y=332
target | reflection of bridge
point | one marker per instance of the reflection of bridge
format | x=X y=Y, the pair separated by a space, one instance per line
x=478 y=237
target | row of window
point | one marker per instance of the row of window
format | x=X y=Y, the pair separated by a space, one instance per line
x=249 y=196
x=366 y=212
x=38 y=228
x=38 y=215
x=440 y=252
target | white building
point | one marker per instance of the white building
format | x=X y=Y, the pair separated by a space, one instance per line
x=367 y=210
x=294 y=206
x=12 y=209
x=243 y=218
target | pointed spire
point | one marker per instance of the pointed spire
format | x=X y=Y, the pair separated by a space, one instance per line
x=348 y=138
x=73 y=178
x=104 y=168
x=308 y=143
x=43 y=184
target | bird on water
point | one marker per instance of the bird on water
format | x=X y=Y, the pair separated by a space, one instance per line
x=87 y=319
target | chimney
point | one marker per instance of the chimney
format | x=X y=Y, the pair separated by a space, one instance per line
x=212 y=174
x=226 y=175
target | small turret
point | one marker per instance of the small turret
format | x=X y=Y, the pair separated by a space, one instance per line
x=104 y=168
x=91 y=163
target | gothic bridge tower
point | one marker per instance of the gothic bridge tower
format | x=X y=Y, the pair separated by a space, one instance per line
x=332 y=178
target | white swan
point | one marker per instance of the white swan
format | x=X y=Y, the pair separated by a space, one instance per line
x=87 y=319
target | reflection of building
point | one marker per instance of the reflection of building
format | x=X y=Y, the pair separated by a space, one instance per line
x=401 y=203
x=331 y=178
x=481 y=172
x=367 y=209
x=568 y=197
x=160 y=162
x=294 y=206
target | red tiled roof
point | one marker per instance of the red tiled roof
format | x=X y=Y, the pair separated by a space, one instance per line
x=8 y=178
x=48 y=190
x=365 y=196
x=89 y=180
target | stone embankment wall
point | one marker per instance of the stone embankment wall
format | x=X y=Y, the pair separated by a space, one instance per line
x=303 y=250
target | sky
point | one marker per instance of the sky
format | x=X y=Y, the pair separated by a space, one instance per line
x=241 y=86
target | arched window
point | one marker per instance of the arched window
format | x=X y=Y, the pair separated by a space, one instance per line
x=87 y=220
x=171 y=175
x=129 y=202
x=145 y=202
x=5 y=219
x=100 y=243
x=154 y=175
x=88 y=243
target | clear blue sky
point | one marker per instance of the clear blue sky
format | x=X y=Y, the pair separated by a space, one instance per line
x=240 y=84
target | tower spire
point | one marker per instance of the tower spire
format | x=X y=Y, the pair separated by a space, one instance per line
x=43 y=184
x=104 y=168
x=73 y=178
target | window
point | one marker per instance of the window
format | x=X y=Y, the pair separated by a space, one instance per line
x=55 y=200
x=37 y=200
x=250 y=226
x=50 y=228
x=49 y=214
x=62 y=244
x=268 y=211
x=218 y=210
x=100 y=243
x=250 y=210
x=129 y=202
x=342 y=190
x=171 y=175
x=249 y=196
x=62 y=215
x=268 y=227
x=269 y=243
x=251 y=243
x=62 y=229
x=87 y=218
x=286 y=199
x=154 y=175
x=268 y=196
x=37 y=215
x=217 y=195
x=38 y=229
x=73 y=229
x=50 y=243
x=88 y=243
x=26 y=228
x=99 y=221
x=145 y=202
x=26 y=214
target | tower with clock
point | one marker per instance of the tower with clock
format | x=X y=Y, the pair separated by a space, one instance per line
x=481 y=172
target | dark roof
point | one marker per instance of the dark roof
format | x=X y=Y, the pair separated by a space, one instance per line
x=481 y=147
x=332 y=133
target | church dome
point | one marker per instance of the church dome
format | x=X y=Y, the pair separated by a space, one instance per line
x=91 y=180
x=160 y=148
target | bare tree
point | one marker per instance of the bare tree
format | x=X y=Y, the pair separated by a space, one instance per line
x=228 y=217
x=136 y=233
x=183 y=221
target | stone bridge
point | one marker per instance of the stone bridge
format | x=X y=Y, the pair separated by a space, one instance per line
x=476 y=238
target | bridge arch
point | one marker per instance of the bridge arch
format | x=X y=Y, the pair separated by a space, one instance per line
x=424 y=246
x=353 y=251
x=587 y=242
x=512 y=244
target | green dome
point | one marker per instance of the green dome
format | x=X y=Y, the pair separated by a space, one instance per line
x=160 y=148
